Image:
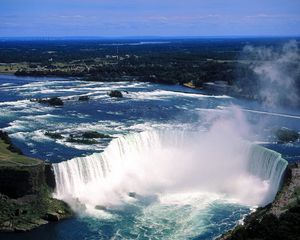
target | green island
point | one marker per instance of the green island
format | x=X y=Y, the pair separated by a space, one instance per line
x=26 y=186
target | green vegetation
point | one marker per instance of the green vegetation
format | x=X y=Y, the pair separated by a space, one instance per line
x=191 y=62
x=9 y=158
x=11 y=147
x=194 y=63
x=25 y=191
x=28 y=212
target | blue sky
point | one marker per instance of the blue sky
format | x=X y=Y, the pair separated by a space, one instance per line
x=149 y=17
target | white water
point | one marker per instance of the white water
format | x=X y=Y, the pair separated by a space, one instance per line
x=171 y=164
x=269 y=166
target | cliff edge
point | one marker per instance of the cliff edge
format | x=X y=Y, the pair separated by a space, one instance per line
x=280 y=220
x=26 y=185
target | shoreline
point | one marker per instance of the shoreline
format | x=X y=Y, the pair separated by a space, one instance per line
x=26 y=187
x=260 y=210
x=188 y=85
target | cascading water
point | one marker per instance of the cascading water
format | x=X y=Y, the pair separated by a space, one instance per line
x=269 y=166
x=167 y=162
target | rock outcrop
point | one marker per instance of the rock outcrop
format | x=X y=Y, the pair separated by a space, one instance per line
x=17 y=181
x=26 y=185
x=285 y=135
x=115 y=93
x=279 y=220
x=54 y=101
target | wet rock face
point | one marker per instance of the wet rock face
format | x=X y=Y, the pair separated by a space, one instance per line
x=19 y=181
x=50 y=176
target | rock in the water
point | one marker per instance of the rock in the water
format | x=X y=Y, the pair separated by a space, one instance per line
x=81 y=140
x=100 y=207
x=93 y=134
x=53 y=135
x=286 y=135
x=83 y=98
x=132 y=194
x=115 y=93
x=54 y=101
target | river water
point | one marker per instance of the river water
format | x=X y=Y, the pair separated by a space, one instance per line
x=171 y=208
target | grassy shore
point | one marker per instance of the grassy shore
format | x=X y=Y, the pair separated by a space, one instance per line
x=10 y=159
x=25 y=197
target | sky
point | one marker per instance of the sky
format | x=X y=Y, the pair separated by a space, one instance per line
x=110 y=18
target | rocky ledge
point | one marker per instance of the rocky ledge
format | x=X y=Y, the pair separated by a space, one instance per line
x=280 y=220
x=26 y=186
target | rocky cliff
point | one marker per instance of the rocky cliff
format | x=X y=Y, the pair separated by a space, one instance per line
x=16 y=181
x=279 y=220
x=25 y=190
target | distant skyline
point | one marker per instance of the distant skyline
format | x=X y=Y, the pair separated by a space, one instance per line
x=117 y=18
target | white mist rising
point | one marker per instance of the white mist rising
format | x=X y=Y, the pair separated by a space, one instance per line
x=171 y=163
x=277 y=70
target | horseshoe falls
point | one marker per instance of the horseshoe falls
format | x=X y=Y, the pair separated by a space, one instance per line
x=173 y=179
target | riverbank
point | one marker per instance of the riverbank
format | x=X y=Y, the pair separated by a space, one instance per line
x=278 y=220
x=26 y=186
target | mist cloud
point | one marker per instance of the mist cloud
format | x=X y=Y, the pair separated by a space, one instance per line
x=277 y=71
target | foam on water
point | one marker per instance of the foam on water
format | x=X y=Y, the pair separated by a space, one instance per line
x=189 y=182
x=164 y=94
x=169 y=162
x=185 y=178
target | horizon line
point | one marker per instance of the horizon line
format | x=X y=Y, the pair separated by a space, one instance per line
x=82 y=37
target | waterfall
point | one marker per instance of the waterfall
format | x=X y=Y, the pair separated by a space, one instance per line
x=102 y=170
x=268 y=165
x=172 y=159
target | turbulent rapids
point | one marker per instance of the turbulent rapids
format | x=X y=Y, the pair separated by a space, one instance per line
x=168 y=163
x=195 y=179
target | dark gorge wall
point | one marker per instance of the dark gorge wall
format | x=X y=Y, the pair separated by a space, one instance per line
x=49 y=176
x=18 y=181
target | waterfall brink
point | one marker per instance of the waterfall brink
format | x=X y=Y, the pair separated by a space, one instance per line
x=171 y=161
x=269 y=166
x=106 y=169
x=71 y=175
